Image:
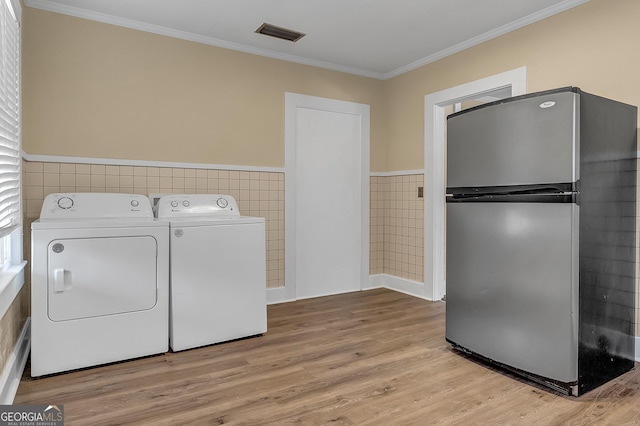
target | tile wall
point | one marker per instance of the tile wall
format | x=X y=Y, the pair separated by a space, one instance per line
x=396 y=221
x=397 y=226
x=257 y=193
x=377 y=194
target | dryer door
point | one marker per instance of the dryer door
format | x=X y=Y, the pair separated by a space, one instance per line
x=92 y=277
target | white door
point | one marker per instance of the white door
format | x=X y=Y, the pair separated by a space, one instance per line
x=327 y=196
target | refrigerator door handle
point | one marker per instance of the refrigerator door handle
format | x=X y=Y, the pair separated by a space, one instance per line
x=538 y=188
x=568 y=197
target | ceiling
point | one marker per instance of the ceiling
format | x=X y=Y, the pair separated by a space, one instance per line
x=373 y=38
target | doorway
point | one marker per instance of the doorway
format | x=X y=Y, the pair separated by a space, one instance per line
x=509 y=83
x=326 y=196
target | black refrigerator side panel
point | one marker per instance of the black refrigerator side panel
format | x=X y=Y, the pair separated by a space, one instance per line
x=608 y=133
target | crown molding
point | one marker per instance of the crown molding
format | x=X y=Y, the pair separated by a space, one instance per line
x=156 y=29
x=512 y=26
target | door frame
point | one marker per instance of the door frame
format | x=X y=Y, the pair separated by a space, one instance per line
x=434 y=166
x=293 y=101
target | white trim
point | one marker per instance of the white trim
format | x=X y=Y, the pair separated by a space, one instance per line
x=398 y=173
x=434 y=159
x=497 y=32
x=412 y=288
x=13 y=369
x=376 y=281
x=277 y=295
x=157 y=29
x=145 y=163
x=11 y=282
x=402 y=285
x=293 y=101
x=637 y=347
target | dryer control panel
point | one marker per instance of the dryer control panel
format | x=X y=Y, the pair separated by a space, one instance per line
x=81 y=205
x=203 y=205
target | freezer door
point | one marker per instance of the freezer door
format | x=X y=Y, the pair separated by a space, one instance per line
x=512 y=284
x=524 y=141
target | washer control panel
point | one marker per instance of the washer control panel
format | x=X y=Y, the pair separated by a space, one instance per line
x=81 y=205
x=191 y=205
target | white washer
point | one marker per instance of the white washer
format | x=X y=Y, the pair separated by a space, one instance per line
x=99 y=281
x=218 y=270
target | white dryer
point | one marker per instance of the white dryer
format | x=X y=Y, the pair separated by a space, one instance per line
x=99 y=281
x=218 y=270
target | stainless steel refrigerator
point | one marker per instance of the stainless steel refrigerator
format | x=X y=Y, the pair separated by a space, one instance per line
x=540 y=275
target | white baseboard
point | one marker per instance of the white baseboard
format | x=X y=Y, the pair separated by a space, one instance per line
x=277 y=295
x=402 y=285
x=12 y=373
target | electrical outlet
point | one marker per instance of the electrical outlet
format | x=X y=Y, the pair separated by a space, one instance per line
x=420 y=191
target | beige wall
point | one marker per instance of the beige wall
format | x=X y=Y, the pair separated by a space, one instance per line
x=593 y=46
x=98 y=90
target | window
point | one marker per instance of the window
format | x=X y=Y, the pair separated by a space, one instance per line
x=5 y=253
x=11 y=264
x=9 y=120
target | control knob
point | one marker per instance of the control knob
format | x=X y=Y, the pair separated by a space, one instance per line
x=65 y=203
x=222 y=203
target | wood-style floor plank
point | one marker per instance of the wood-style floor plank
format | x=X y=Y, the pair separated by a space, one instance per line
x=367 y=358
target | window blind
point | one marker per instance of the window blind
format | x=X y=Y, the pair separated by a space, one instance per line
x=9 y=119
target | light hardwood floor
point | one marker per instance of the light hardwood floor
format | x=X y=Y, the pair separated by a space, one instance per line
x=368 y=358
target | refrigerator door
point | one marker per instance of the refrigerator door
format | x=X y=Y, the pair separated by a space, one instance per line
x=512 y=284
x=527 y=140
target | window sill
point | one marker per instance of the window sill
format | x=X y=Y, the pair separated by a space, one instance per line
x=11 y=282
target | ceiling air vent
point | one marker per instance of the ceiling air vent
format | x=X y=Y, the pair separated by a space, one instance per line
x=279 y=32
